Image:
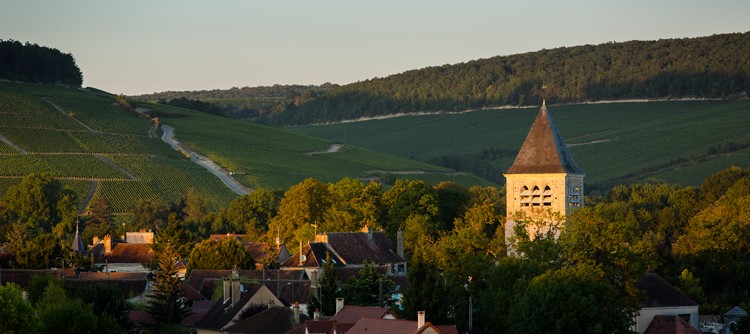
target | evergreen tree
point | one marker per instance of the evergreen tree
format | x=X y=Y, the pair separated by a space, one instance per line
x=167 y=303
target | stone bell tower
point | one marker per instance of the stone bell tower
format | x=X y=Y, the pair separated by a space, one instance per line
x=544 y=179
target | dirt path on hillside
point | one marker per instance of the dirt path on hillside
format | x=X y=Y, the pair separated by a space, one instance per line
x=66 y=114
x=223 y=175
x=13 y=145
x=333 y=148
x=89 y=196
x=116 y=166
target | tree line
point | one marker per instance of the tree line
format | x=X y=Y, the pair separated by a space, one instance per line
x=455 y=242
x=37 y=64
x=705 y=67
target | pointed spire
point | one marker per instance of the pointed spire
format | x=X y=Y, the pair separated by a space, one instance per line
x=544 y=150
x=77 y=245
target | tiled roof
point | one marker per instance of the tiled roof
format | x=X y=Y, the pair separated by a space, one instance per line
x=103 y=276
x=23 y=276
x=670 y=324
x=350 y=314
x=544 y=150
x=390 y=326
x=659 y=293
x=320 y=326
x=272 y=320
x=130 y=288
x=356 y=248
x=130 y=253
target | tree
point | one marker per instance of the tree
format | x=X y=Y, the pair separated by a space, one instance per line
x=60 y=314
x=326 y=300
x=176 y=235
x=167 y=303
x=369 y=288
x=148 y=214
x=17 y=316
x=108 y=304
x=225 y=253
x=40 y=252
x=584 y=302
x=303 y=205
x=251 y=213
x=42 y=203
x=409 y=198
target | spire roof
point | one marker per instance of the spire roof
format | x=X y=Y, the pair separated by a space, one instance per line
x=544 y=150
x=77 y=245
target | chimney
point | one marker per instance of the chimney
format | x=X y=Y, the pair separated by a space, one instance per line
x=368 y=230
x=400 y=243
x=301 y=256
x=107 y=244
x=227 y=290
x=296 y=313
x=235 y=287
x=339 y=304
x=420 y=319
x=96 y=240
x=316 y=314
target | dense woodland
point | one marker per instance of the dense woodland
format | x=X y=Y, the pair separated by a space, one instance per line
x=245 y=102
x=695 y=237
x=37 y=64
x=705 y=67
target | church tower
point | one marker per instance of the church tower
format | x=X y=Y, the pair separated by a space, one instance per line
x=544 y=178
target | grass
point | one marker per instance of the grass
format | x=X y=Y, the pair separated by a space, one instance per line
x=617 y=142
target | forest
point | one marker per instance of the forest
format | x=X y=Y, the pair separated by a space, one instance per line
x=37 y=64
x=704 y=67
x=697 y=238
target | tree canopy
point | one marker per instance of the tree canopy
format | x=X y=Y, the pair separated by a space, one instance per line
x=33 y=63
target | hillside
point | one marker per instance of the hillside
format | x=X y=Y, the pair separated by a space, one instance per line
x=678 y=142
x=100 y=149
x=709 y=67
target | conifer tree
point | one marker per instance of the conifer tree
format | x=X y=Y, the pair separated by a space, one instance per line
x=167 y=303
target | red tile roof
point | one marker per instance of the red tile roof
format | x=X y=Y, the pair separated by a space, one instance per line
x=350 y=314
x=670 y=324
x=130 y=253
x=390 y=326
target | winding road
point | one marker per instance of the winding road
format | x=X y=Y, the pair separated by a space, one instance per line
x=169 y=138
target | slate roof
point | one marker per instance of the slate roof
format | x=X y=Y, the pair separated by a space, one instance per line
x=350 y=314
x=272 y=320
x=205 y=280
x=198 y=311
x=315 y=255
x=659 y=293
x=736 y=312
x=357 y=248
x=544 y=150
x=222 y=313
x=670 y=324
x=77 y=245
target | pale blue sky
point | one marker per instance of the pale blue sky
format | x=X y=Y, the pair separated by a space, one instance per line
x=136 y=47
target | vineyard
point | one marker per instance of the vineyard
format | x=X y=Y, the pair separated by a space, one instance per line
x=91 y=144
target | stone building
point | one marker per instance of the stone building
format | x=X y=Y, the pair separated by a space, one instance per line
x=544 y=180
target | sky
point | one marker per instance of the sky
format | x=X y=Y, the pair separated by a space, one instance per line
x=139 y=47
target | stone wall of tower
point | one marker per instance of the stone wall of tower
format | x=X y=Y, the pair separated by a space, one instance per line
x=536 y=195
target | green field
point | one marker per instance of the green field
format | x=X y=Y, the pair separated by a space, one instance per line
x=94 y=146
x=262 y=156
x=676 y=141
